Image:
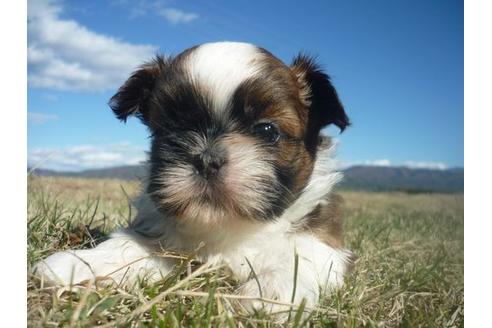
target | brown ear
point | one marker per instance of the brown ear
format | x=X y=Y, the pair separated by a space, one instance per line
x=324 y=105
x=132 y=97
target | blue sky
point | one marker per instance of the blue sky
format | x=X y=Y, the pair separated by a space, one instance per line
x=397 y=65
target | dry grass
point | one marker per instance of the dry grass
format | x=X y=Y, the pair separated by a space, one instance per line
x=409 y=272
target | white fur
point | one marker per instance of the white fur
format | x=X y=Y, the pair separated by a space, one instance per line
x=269 y=247
x=220 y=68
x=122 y=258
x=323 y=178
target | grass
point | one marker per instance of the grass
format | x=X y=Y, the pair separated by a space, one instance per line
x=409 y=272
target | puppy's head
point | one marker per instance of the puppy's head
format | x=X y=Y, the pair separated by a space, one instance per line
x=234 y=130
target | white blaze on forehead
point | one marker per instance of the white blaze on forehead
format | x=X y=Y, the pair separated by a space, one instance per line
x=221 y=67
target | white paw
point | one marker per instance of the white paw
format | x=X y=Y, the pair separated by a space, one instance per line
x=63 y=268
x=119 y=260
x=252 y=297
x=276 y=295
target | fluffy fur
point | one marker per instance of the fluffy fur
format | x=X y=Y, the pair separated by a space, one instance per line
x=238 y=172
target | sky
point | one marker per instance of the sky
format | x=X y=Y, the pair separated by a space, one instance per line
x=397 y=66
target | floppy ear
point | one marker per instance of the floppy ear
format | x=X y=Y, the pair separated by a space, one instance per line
x=319 y=94
x=133 y=96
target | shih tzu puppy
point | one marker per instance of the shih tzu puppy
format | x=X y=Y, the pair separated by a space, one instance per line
x=239 y=175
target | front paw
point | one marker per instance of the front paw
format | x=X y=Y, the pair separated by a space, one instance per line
x=63 y=268
x=252 y=296
x=276 y=295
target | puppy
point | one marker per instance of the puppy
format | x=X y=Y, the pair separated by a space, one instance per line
x=239 y=175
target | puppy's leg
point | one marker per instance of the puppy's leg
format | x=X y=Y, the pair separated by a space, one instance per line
x=121 y=259
x=320 y=269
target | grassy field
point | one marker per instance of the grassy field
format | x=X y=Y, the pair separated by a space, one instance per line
x=409 y=272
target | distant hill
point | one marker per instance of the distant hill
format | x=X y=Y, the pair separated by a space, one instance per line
x=389 y=178
x=368 y=178
x=131 y=172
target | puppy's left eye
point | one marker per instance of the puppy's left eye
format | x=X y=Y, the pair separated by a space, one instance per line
x=267 y=132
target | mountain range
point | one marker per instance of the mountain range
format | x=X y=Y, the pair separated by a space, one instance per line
x=393 y=178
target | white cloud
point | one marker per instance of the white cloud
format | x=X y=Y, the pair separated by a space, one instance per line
x=387 y=163
x=378 y=162
x=426 y=165
x=139 y=8
x=40 y=118
x=83 y=157
x=64 y=55
x=342 y=165
x=176 y=16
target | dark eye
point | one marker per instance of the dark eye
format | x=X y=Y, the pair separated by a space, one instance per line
x=266 y=131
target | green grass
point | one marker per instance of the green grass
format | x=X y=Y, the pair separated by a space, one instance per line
x=409 y=272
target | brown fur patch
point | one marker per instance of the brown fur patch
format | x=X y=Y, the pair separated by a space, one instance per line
x=274 y=96
x=325 y=222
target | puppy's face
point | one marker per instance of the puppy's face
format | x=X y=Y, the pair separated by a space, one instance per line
x=234 y=130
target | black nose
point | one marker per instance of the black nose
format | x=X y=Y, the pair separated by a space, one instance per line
x=208 y=163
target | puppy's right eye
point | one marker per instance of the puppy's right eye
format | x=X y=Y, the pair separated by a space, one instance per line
x=266 y=131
